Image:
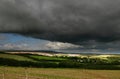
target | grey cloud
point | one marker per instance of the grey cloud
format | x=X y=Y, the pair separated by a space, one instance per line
x=2 y=37
x=60 y=45
x=10 y=46
x=62 y=20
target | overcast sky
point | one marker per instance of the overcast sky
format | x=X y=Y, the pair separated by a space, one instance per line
x=92 y=25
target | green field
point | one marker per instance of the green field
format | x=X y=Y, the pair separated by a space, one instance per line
x=56 y=73
x=28 y=66
x=89 y=62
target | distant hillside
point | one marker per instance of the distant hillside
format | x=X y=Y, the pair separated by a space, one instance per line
x=60 y=61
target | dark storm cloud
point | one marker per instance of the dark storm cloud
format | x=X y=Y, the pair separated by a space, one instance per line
x=62 y=20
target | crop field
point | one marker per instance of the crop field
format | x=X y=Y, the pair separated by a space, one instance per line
x=27 y=66
x=56 y=73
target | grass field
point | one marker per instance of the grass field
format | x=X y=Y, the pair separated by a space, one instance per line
x=27 y=66
x=29 y=60
x=56 y=73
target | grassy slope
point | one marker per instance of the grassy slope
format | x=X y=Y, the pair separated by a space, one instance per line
x=16 y=57
x=27 y=60
x=51 y=73
x=28 y=57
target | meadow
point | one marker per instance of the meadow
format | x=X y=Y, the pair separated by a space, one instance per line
x=86 y=62
x=29 y=66
x=56 y=73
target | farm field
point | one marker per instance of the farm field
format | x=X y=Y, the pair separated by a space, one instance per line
x=56 y=73
x=111 y=62
x=29 y=66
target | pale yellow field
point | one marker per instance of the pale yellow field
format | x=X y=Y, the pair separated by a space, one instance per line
x=56 y=73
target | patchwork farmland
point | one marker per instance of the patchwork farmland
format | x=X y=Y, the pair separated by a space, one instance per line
x=33 y=66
